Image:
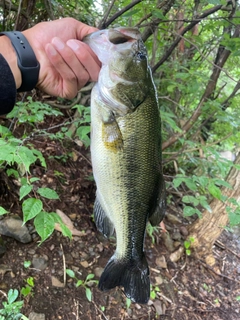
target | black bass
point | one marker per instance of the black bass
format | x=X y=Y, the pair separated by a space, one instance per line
x=126 y=156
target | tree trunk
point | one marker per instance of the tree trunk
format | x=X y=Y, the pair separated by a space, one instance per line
x=207 y=230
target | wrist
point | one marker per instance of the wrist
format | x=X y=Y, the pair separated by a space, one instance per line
x=9 y=53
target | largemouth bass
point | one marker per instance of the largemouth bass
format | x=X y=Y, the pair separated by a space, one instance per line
x=126 y=156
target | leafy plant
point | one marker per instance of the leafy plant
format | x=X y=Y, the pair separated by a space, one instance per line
x=153 y=291
x=83 y=130
x=27 y=264
x=11 y=308
x=187 y=245
x=83 y=283
x=18 y=152
x=27 y=290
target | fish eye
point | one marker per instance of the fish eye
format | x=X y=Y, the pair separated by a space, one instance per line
x=140 y=55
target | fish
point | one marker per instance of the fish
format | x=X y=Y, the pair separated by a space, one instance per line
x=126 y=156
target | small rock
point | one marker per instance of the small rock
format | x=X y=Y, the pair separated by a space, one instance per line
x=158 y=280
x=84 y=264
x=173 y=219
x=168 y=242
x=176 y=235
x=73 y=216
x=4 y=269
x=36 y=316
x=98 y=271
x=161 y=262
x=31 y=251
x=39 y=263
x=176 y=255
x=13 y=227
x=57 y=283
x=158 y=307
x=184 y=231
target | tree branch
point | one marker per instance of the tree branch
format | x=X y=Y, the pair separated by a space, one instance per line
x=186 y=29
x=165 y=6
x=119 y=13
x=211 y=86
x=103 y=21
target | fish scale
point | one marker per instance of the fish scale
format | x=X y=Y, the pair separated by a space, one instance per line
x=126 y=156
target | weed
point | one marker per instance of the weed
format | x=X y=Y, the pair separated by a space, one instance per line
x=11 y=308
x=153 y=291
x=83 y=283
x=187 y=245
x=27 y=290
x=27 y=264
x=151 y=230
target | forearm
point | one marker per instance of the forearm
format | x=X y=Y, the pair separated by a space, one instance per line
x=9 y=53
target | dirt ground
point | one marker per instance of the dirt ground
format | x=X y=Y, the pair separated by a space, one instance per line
x=187 y=289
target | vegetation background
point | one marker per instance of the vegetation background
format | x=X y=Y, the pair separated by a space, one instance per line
x=194 y=49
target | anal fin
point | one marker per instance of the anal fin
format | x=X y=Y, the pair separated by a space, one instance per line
x=159 y=211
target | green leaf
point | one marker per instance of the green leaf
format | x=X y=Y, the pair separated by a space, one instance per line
x=189 y=211
x=25 y=291
x=48 y=193
x=70 y=273
x=215 y=191
x=33 y=179
x=79 y=283
x=89 y=294
x=31 y=208
x=128 y=14
x=190 y=199
x=158 y=14
x=190 y=184
x=152 y=294
x=2 y=211
x=44 y=224
x=223 y=183
x=25 y=157
x=27 y=264
x=12 y=295
x=13 y=172
x=177 y=182
x=25 y=190
x=30 y=281
x=90 y=276
x=187 y=244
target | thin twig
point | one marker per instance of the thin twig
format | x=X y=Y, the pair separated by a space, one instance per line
x=64 y=266
x=221 y=245
x=100 y=311
x=217 y=273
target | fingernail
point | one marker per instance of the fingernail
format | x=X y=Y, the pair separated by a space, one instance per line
x=51 y=49
x=59 y=44
x=73 y=44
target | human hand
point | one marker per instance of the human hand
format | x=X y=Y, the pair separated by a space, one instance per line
x=66 y=63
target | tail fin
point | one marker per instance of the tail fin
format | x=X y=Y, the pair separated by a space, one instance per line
x=133 y=275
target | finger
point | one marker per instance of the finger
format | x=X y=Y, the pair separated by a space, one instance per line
x=69 y=81
x=71 y=60
x=87 y=58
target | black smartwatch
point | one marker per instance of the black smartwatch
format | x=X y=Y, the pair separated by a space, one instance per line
x=26 y=59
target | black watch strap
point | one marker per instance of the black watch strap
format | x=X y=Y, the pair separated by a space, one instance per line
x=27 y=61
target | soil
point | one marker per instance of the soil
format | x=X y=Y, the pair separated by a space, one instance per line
x=186 y=289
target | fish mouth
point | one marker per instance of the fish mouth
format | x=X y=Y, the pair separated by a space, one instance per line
x=117 y=37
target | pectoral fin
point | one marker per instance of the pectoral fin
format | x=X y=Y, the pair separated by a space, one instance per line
x=111 y=134
x=103 y=223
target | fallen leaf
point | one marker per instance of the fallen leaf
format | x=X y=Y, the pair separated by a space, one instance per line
x=67 y=221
